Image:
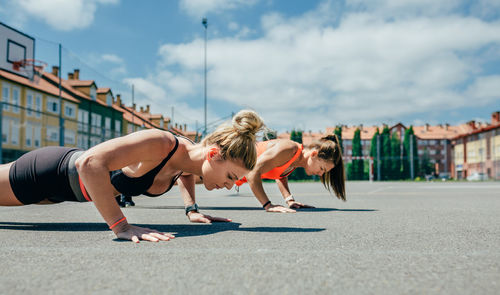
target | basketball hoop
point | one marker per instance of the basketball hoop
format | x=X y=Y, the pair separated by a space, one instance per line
x=32 y=67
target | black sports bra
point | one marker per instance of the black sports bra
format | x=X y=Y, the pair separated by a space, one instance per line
x=135 y=186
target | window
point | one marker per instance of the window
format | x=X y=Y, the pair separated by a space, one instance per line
x=29 y=104
x=15 y=99
x=5 y=130
x=107 y=127
x=10 y=131
x=69 y=137
x=69 y=110
x=432 y=152
x=95 y=122
x=95 y=141
x=6 y=96
x=83 y=141
x=83 y=120
x=38 y=105
x=481 y=153
x=109 y=99
x=53 y=105
x=118 y=128
x=432 y=142
x=29 y=135
x=52 y=133
x=38 y=136
x=14 y=132
x=93 y=91
x=420 y=152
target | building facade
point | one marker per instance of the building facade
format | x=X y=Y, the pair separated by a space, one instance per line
x=476 y=154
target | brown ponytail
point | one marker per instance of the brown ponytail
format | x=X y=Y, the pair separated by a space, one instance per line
x=329 y=149
x=237 y=140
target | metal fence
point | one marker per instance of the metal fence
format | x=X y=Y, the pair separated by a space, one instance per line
x=417 y=162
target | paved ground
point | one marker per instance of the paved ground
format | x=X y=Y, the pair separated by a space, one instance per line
x=388 y=238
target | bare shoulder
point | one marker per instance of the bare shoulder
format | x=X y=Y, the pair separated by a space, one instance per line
x=153 y=141
x=283 y=148
x=277 y=153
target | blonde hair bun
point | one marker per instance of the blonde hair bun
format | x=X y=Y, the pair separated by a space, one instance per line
x=237 y=140
x=247 y=122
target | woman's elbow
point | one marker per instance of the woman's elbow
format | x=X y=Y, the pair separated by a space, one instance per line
x=86 y=163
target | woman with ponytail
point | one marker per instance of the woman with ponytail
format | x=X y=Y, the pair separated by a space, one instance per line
x=279 y=157
x=146 y=162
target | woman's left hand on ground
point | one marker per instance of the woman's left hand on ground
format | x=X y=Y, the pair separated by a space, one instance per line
x=296 y=205
x=202 y=218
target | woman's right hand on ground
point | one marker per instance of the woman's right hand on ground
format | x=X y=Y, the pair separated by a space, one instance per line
x=136 y=233
x=279 y=209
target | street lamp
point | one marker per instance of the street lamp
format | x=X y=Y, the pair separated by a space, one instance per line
x=205 y=24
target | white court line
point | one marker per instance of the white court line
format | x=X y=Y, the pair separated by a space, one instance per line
x=378 y=190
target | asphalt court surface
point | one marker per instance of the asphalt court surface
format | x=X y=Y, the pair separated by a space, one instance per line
x=388 y=238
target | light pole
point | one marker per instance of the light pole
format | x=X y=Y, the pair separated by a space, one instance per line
x=205 y=24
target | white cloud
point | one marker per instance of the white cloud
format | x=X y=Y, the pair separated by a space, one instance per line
x=485 y=90
x=148 y=89
x=151 y=91
x=112 y=58
x=59 y=14
x=200 y=8
x=308 y=73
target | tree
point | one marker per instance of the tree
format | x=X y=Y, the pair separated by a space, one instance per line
x=426 y=167
x=385 y=144
x=373 y=153
x=270 y=134
x=406 y=154
x=395 y=156
x=357 y=151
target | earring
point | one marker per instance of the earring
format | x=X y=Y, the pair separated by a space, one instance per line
x=211 y=153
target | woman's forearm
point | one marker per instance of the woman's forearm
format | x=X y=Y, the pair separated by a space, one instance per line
x=186 y=187
x=97 y=182
x=283 y=187
x=255 y=182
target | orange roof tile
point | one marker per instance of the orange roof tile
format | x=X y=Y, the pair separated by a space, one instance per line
x=103 y=90
x=437 y=132
x=65 y=84
x=42 y=85
x=80 y=83
x=70 y=88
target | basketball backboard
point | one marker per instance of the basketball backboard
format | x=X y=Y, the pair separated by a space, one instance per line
x=14 y=47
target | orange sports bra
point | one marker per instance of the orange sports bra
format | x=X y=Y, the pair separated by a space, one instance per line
x=276 y=172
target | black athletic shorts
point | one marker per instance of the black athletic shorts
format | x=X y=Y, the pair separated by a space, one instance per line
x=42 y=174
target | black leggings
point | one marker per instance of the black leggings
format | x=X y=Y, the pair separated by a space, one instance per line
x=42 y=174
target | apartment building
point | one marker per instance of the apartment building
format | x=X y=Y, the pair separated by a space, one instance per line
x=97 y=118
x=476 y=153
x=31 y=115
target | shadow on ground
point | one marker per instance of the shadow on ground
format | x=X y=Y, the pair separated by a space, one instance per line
x=253 y=208
x=179 y=230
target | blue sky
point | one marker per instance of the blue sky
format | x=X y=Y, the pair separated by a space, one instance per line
x=300 y=64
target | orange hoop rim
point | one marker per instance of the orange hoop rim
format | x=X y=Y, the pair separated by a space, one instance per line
x=37 y=64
